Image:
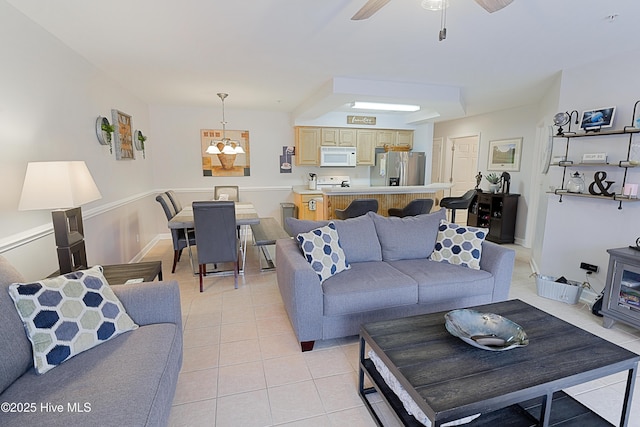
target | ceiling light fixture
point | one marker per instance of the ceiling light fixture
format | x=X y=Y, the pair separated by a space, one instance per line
x=439 y=5
x=225 y=145
x=435 y=5
x=384 y=107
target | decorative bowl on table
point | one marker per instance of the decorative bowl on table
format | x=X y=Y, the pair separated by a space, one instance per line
x=487 y=331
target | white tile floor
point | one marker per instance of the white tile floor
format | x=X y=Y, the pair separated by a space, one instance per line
x=243 y=366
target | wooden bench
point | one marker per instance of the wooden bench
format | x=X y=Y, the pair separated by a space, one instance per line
x=265 y=234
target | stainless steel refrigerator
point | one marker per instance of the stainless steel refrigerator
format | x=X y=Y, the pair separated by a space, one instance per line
x=398 y=168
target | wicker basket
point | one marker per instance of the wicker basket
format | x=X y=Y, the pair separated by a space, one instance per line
x=566 y=292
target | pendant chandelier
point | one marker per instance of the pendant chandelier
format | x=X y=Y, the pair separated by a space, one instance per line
x=225 y=145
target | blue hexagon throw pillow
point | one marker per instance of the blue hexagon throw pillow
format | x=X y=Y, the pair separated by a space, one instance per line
x=69 y=314
x=459 y=244
x=321 y=248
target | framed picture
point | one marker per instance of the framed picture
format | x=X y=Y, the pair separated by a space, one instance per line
x=229 y=161
x=504 y=154
x=123 y=135
x=597 y=118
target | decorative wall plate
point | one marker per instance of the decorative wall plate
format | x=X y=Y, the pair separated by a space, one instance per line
x=137 y=142
x=104 y=137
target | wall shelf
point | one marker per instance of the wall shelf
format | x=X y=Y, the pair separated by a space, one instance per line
x=623 y=164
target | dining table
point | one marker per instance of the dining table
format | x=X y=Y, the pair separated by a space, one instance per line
x=246 y=215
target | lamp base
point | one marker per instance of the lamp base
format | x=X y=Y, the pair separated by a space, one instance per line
x=69 y=234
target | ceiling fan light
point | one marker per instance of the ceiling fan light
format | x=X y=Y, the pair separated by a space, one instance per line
x=435 y=5
x=384 y=107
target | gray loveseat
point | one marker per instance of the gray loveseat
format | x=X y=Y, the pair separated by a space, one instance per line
x=391 y=276
x=129 y=380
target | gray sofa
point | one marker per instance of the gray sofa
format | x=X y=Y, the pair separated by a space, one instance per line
x=391 y=276
x=129 y=380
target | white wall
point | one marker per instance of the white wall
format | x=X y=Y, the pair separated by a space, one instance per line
x=50 y=98
x=583 y=229
x=507 y=124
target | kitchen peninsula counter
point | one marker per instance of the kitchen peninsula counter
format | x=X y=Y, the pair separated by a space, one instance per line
x=388 y=197
x=408 y=189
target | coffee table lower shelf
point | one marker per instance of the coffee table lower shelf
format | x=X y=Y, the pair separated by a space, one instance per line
x=565 y=410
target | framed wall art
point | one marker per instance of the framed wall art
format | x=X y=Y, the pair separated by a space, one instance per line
x=123 y=135
x=228 y=161
x=504 y=154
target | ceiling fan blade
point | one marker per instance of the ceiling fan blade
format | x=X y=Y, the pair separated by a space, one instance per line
x=493 y=5
x=367 y=11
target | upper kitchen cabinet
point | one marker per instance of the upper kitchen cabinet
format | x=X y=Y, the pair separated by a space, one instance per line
x=394 y=138
x=338 y=137
x=385 y=137
x=404 y=138
x=366 y=147
x=308 y=146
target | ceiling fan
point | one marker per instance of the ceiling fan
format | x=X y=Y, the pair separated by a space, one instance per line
x=372 y=6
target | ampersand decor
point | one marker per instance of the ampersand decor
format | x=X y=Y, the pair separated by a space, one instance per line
x=600 y=177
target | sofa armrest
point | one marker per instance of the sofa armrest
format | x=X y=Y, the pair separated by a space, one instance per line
x=498 y=260
x=151 y=302
x=300 y=289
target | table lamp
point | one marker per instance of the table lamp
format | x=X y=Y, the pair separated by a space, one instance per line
x=62 y=186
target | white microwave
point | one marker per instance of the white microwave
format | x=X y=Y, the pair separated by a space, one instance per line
x=337 y=156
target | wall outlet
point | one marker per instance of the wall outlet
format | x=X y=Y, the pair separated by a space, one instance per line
x=589 y=267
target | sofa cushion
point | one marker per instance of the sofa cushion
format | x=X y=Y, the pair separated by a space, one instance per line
x=459 y=244
x=358 y=237
x=321 y=248
x=368 y=286
x=439 y=281
x=296 y=226
x=409 y=237
x=127 y=381
x=69 y=314
x=359 y=240
x=16 y=358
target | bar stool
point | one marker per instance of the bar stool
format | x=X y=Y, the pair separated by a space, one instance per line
x=461 y=202
x=356 y=208
x=414 y=207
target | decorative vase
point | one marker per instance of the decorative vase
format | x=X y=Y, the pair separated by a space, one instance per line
x=227 y=160
x=494 y=188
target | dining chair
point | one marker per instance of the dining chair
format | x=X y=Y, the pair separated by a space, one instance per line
x=461 y=202
x=231 y=191
x=356 y=208
x=414 y=207
x=179 y=236
x=174 y=200
x=215 y=226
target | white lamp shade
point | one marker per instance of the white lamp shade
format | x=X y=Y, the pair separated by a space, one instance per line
x=57 y=185
x=238 y=150
x=212 y=149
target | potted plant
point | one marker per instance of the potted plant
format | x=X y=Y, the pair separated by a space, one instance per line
x=494 y=182
x=104 y=129
x=139 y=140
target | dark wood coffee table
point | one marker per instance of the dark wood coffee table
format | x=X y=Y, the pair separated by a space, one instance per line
x=450 y=379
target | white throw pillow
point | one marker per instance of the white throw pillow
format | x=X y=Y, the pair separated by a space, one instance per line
x=66 y=315
x=459 y=244
x=321 y=248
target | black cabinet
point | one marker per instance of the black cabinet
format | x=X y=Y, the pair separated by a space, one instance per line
x=497 y=212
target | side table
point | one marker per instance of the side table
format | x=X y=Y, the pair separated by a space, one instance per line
x=118 y=274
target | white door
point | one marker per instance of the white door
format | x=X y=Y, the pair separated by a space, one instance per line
x=463 y=168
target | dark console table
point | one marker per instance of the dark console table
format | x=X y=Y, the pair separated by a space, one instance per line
x=497 y=212
x=449 y=379
x=118 y=274
x=621 y=299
